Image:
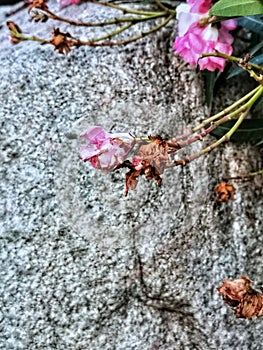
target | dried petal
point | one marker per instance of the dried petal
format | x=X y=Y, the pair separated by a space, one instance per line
x=224 y=192
x=131 y=180
x=155 y=153
x=62 y=41
x=240 y=295
x=38 y=17
x=39 y=4
x=150 y=160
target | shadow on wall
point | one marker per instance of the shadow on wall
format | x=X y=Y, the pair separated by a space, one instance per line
x=9 y=2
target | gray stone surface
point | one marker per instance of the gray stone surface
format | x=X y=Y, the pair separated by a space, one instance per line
x=82 y=266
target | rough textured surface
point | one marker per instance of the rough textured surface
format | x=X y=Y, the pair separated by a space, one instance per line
x=83 y=267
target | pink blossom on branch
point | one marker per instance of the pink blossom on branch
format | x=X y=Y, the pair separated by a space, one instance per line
x=64 y=3
x=105 y=151
x=193 y=39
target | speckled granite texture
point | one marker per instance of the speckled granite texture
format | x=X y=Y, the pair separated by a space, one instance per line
x=83 y=267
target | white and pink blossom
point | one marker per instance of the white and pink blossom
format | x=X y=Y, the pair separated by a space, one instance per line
x=64 y=3
x=105 y=151
x=193 y=39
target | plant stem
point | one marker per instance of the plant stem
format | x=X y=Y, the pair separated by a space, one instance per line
x=13 y=12
x=123 y=9
x=244 y=177
x=94 y=42
x=255 y=173
x=226 y=110
x=179 y=145
x=127 y=41
x=164 y=8
x=243 y=110
x=106 y=23
x=234 y=59
x=114 y=33
x=32 y=38
x=208 y=149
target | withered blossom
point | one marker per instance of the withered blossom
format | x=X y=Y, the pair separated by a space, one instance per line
x=38 y=17
x=224 y=192
x=245 y=300
x=62 y=41
x=38 y=4
x=150 y=160
x=105 y=151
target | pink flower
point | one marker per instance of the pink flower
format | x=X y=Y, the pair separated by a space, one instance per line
x=64 y=3
x=105 y=151
x=193 y=40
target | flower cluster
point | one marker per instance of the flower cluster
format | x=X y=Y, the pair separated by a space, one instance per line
x=109 y=152
x=194 y=39
x=64 y=3
x=105 y=151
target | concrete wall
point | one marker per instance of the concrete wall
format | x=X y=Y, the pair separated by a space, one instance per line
x=82 y=266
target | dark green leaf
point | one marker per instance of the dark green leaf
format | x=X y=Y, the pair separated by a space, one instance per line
x=258 y=106
x=257 y=60
x=251 y=130
x=253 y=23
x=259 y=143
x=256 y=48
x=231 y=8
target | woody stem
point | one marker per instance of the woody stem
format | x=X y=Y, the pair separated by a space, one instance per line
x=123 y=9
x=208 y=149
x=246 y=176
x=230 y=109
x=127 y=41
x=234 y=59
x=117 y=20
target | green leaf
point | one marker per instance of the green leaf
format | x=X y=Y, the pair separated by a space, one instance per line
x=232 y=8
x=259 y=143
x=253 y=23
x=256 y=48
x=251 y=130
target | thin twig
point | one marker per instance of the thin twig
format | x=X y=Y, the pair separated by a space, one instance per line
x=208 y=149
x=237 y=60
x=123 y=9
x=127 y=41
x=20 y=8
x=114 y=33
x=117 y=20
x=246 y=176
x=224 y=138
x=164 y=8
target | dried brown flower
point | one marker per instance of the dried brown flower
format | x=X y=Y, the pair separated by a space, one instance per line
x=155 y=153
x=38 y=4
x=62 y=41
x=38 y=17
x=150 y=160
x=224 y=192
x=239 y=294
